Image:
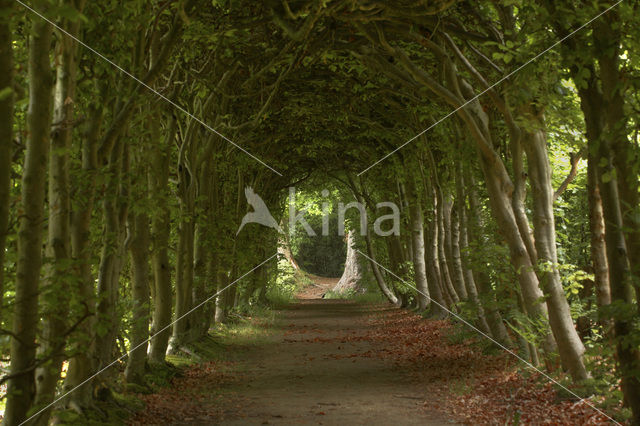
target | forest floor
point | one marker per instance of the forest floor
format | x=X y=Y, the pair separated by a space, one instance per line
x=333 y=362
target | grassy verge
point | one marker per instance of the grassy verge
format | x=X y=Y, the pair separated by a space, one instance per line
x=117 y=404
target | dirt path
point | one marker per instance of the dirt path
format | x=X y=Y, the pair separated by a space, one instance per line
x=335 y=362
x=314 y=374
x=319 y=287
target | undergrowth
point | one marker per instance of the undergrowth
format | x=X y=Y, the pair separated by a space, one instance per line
x=116 y=405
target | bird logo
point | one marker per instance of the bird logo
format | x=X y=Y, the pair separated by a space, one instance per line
x=260 y=213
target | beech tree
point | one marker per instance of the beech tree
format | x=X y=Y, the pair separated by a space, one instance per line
x=132 y=135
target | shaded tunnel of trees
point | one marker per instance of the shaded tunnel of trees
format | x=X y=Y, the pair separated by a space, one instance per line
x=122 y=183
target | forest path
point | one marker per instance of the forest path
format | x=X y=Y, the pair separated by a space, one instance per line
x=316 y=373
x=319 y=367
x=320 y=285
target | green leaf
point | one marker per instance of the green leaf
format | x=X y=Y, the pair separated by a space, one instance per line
x=6 y=93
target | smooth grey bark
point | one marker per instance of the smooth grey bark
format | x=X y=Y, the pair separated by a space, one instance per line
x=438 y=309
x=83 y=193
x=100 y=152
x=417 y=243
x=377 y=273
x=499 y=184
x=21 y=384
x=486 y=293
x=382 y=285
x=519 y=190
x=569 y=344
x=452 y=250
x=460 y=247
x=444 y=209
x=350 y=279
x=56 y=291
x=6 y=128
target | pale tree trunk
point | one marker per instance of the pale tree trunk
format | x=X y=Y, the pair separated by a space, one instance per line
x=56 y=292
x=382 y=285
x=432 y=267
x=480 y=277
x=519 y=191
x=446 y=285
x=417 y=242
x=213 y=265
x=569 y=344
x=460 y=246
x=160 y=231
x=6 y=129
x=499 y=185
x=139 y=249
x=350 y=279
x=625 y=153
x=444 y=208
x=21 y=385
x=452 y=249
x=81 y=363
x=377 y=273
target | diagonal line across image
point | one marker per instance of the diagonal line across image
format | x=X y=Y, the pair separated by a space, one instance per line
x=491 y=87
x=146 y=86
x=467 y=323
x=163 y=329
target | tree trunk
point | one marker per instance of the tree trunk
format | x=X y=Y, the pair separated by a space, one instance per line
x=110 y=258
x=6 y=129
x=604 y=118
x=56 y=292
x=519 y=192
x=452 y=248
x=460 y=246
x=81 y=362
x=139 y=249
x=417 y=242
x=160 y=231
x=486 y=293
x=376 y=271
x=21 y=385
x=432 y=267
x=444 y=209
x=350 y=279
x=184 y=284
x=596 y=226
x=569 y=344
x=619 y=273
x=498 y=186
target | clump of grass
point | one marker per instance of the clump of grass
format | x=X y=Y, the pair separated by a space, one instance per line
x=364 y=296
x=245 y=330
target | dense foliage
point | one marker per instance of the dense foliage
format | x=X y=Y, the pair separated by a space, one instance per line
x=505 y=132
